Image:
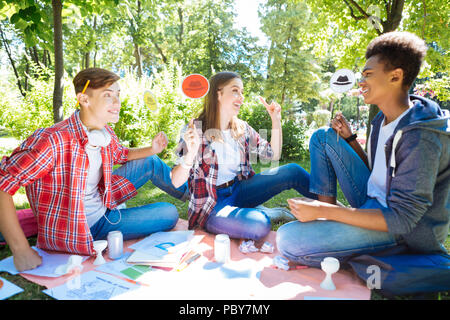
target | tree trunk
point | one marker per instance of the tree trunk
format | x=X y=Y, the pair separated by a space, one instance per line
x=373 y=110
x=95 y=57
x=49 y=59
x=137 y=55
x=394 y=15
x=87 y=59
x=269 y=59
x=44 y=58
x=286 y=56
x=8 y=51
x=35 y=55
x=59 y=61
x=357 y=113
x=181 y=30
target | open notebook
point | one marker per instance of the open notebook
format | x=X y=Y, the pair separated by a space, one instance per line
x=164 y=249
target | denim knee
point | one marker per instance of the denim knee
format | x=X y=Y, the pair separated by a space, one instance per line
x=255 y=226
x=261 y=228
x=170 y=215
x=288 y=245
x=293 y=169
x=321 y=135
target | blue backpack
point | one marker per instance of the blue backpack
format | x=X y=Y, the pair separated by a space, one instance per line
x=394 y=273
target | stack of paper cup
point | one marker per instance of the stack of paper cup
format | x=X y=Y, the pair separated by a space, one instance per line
x=222 y=248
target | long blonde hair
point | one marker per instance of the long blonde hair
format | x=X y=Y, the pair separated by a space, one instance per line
x=210 y=116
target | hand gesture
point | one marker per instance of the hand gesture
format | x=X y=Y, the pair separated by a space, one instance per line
x=305 y=209
x=274 y=109
x=27 y=260
x=192 y=139
x=340 y=124
x=159 y=142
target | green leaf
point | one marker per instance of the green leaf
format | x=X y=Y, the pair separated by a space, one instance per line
x=36 y=17
x=30 y=39
x=14 y=18
x=23 y=14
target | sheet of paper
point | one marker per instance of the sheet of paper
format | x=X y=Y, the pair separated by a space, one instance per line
x=92 y=285
x=201 y=280
x=164 y=249
x=8 y=289
x=50 y=261
x=7 y=265
x=160 y=243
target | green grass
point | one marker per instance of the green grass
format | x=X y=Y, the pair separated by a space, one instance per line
x=148 y=194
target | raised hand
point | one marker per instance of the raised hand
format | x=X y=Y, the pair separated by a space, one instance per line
x=192 y=139
x=340 y=124
x=274 y=109
x=159 y=142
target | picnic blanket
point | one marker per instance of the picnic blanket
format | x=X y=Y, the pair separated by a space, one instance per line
x=246 y=276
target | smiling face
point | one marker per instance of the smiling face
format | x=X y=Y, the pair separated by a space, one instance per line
x=378 y=85
x=101 y=106
x=230 y=98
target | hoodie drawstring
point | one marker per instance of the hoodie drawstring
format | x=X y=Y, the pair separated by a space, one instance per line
x=397 y=137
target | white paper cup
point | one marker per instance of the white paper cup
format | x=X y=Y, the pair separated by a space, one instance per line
x=222 y=248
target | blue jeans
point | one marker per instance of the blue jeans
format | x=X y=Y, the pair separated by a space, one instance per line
x=308 y=243
x=141 y=221
x=234 y=212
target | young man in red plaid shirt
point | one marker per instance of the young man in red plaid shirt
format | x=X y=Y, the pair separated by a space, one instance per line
x=67 y=171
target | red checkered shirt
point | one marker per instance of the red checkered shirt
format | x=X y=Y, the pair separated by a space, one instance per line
x=203 y=175
x=53 y=166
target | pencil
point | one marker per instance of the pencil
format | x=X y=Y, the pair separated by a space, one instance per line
x=84 y=89
x=188 y=262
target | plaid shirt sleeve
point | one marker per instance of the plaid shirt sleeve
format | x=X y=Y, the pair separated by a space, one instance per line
x=258 y=145
x=29 y=162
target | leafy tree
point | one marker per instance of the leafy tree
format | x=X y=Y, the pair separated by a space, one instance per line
x=292 y=72
x=345 y=28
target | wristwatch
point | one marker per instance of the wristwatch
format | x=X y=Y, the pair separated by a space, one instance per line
x=351 y=138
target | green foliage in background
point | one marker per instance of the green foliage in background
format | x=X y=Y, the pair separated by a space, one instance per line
x=22 y=116
x=293 y=130
x=138 y=124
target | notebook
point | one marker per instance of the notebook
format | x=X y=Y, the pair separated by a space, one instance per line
x=164 y=249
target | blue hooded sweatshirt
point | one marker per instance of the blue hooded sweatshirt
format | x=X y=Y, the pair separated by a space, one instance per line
x=418 y=175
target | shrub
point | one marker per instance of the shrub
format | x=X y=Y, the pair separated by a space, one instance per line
x=321 y=117
x=293 y=130
x=22 y=116
x=138 y=124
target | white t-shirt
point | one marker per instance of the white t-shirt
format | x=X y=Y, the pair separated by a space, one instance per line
x=228 y=157
x=93 y=203
x=376 y=186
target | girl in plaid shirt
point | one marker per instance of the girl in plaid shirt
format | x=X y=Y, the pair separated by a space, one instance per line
x=215 y=155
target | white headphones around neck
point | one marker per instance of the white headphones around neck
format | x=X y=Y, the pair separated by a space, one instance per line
x=99 y=138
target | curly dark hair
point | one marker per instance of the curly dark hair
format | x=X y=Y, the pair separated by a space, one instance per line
x=399 y=50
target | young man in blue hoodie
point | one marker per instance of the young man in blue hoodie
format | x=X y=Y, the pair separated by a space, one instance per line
x=399 y=191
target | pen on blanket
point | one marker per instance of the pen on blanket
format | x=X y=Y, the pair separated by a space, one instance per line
x=188 y=262
x=84 y=89
x=1 y=284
